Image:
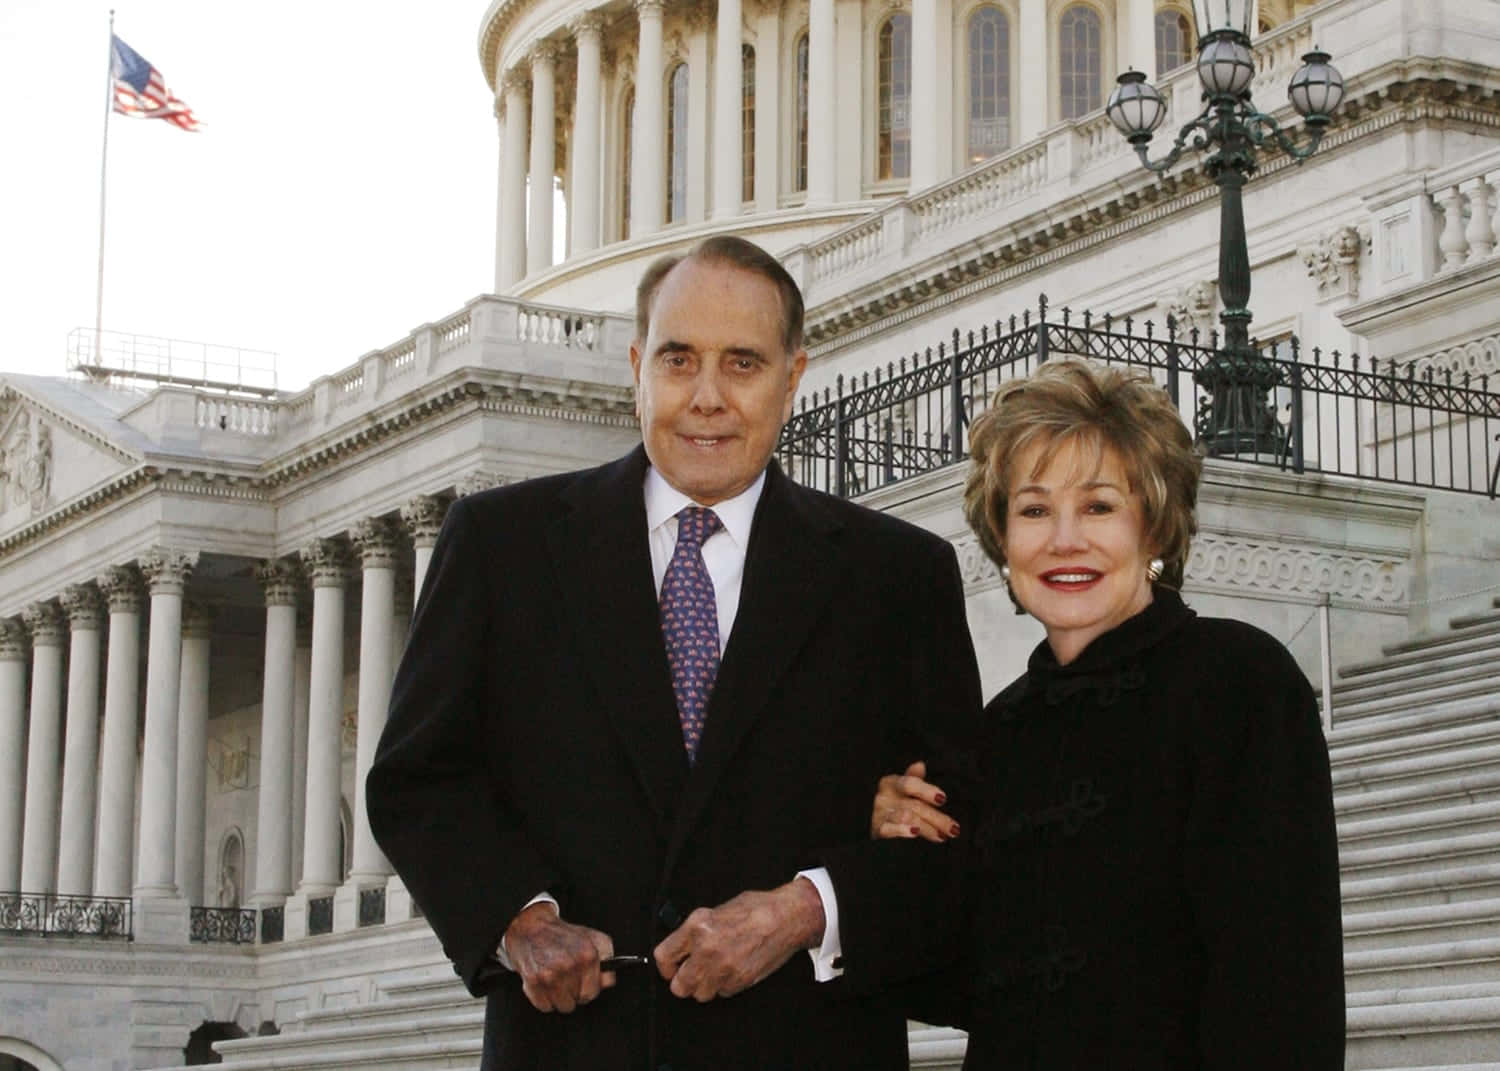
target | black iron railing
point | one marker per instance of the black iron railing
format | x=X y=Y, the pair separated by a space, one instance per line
x=319 y=915
x=372 y=906
x=49 y=915
x=272 y=924
x=222 y=925
x=1341 y=415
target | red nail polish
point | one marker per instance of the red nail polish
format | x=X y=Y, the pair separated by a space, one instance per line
x=940 y=799
x=915 y=831
x=953 y=830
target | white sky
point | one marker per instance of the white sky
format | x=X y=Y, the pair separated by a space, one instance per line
x=340 y=193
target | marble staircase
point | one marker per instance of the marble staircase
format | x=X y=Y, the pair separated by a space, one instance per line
x=1415 y=749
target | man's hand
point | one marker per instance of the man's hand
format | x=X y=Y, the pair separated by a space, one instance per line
x=722 y=951
x=557 y=961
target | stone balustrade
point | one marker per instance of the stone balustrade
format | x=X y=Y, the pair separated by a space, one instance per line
x=1467 y=203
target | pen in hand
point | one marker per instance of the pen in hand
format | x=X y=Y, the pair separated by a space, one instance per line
x=614 y=963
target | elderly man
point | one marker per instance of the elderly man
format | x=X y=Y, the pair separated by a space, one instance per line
x=644 y=708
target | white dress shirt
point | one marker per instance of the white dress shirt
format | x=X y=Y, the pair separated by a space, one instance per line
x=724 y=558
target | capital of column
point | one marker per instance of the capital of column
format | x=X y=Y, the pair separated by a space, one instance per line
x=378 y=543
x=12 y=640
x=651 y=8
x=280 y=579
x=84 y=607
x=167 y=570
x=544 y=53
x=478 y=480
x=121 y=585
x=326 y=562
x=197 y=619
x=517 y=78
x=589 y=24
x=423 y=517
x=45 y=623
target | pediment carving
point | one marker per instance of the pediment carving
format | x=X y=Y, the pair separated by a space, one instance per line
x=43 y=462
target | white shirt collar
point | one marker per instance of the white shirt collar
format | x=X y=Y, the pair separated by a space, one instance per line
x=737 y=514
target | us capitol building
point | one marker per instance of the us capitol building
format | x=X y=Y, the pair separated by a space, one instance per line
x=205 y=582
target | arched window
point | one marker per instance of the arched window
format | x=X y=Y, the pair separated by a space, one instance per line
x=677 y=108
x=893 y=70
x=1080 y=64
x=1174 y=40
x=627 y=120
x=989 y=83
x=747 y=123
x=231 y=870
x=800 y=179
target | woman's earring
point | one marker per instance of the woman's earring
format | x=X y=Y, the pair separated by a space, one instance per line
x=1005 y=574
x=1154 y=568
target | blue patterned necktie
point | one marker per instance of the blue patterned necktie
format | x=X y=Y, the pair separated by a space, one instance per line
x=690 y=622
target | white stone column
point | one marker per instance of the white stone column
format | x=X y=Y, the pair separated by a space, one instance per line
x=166 y=573
x=327 y=563
x=376 y=541
x=1034 y=81
x=695 y=209
x=768 y=107
x=279 y=579
x=122 y=695
x=648 y=151
x=543 y=157
x=822 y=103
x=12 y=750
x=1137 y=40
x=75 y=864
x=423 y=517
x=587 y=195
x=729 y=88
x=192 y=751
x=301 y=703
x=510 y=223
x=43 y=749
x=925 y=117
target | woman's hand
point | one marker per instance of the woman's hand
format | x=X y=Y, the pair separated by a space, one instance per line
x=907 y=806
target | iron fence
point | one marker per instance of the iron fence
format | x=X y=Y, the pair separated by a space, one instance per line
x=319 y=915
x=222 y=925
x=49 y=915
x=272 y=924
x=1337 y=414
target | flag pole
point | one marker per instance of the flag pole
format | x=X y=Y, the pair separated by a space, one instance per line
x=109 y=100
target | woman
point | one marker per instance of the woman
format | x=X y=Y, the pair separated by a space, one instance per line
x=1153 y=882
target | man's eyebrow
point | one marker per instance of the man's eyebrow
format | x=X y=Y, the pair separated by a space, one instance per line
x=672 y=345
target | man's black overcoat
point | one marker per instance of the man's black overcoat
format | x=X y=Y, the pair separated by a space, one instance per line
x=533 y=744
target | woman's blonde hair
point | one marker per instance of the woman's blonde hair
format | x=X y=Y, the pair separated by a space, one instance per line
x=1095 y=408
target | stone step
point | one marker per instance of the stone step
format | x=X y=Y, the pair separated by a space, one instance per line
x=1440 y=885
x=1475 y=626
x=1419 y=825
x=1475 y=787
x=1414 y=966
x=935 y=1048
x=1418 y=740
x=1427 y=994
x=1480 y=618
x=413 y=1055
x=1427 y=767
x=1441 y=1033
x=1466 y=920
x=361 y=1044
x=1436 y=700
x=1435 y=1067
x=1417 y=857
x=1403 y=728
x=404 y=1008
x=1480 y=657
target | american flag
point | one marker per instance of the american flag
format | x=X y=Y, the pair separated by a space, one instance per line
x=141 y=92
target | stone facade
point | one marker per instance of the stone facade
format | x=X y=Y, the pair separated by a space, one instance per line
x=202 y=594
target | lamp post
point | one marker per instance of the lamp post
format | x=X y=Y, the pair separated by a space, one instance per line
x=1240 y=418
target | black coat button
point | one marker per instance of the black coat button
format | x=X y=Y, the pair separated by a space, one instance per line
x=669 y=918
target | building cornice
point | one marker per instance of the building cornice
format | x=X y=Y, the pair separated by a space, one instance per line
x=10 y=392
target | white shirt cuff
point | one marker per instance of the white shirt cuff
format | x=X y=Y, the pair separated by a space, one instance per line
x=831 y=951
x=539 y=898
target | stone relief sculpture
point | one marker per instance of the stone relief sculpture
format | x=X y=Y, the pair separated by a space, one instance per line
x=1334 y=261
x=26 y=464
x=1193 y=306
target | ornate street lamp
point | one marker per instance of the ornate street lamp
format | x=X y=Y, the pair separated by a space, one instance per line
x=1240 y=418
